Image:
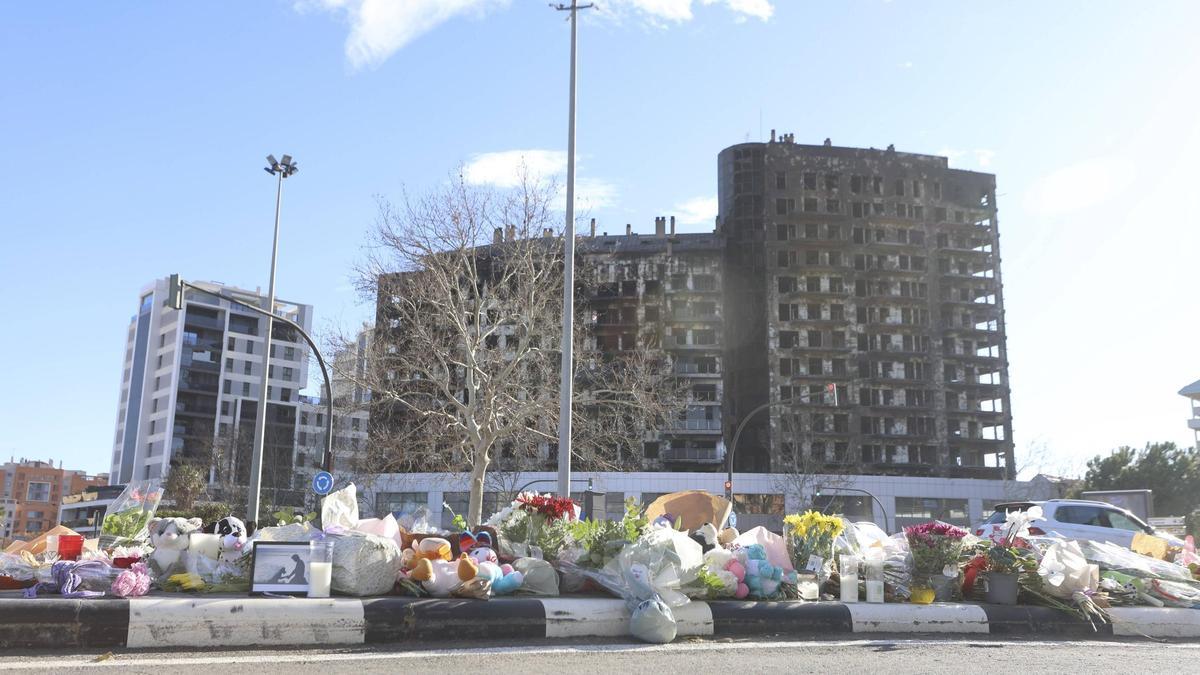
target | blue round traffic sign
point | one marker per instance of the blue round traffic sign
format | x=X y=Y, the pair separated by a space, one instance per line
x=323 y=483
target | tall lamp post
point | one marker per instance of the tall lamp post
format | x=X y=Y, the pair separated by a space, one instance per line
x=568 y=325
x=280 y=169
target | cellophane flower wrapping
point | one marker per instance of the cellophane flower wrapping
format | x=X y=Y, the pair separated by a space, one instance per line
x=935 y=546
x=127 y=520
x=812 y=534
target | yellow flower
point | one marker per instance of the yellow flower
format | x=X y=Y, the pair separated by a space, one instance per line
x=813 y=523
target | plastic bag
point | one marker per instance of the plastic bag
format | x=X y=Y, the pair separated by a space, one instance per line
x=127 y=520
x=386 y=527
x=364 y=564
x=653 y=621
x=1118 y=558
x=773 y=544
x=340 y=509
x=417 y=522
x=540 y=577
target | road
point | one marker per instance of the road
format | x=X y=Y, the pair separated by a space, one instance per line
x=891 y=656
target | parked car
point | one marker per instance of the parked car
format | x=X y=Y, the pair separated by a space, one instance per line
x=1076 y=519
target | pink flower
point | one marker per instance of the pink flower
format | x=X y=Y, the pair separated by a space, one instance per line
x=133 y=582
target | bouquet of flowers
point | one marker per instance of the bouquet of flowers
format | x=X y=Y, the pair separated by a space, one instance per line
x=935 y=547
x=534 y=525
x=127 y=520
x=810 y=539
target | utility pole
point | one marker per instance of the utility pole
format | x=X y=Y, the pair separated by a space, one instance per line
x=568 y=321
x=281 y=170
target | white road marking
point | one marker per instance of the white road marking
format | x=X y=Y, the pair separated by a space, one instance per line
x=122 y=661
x=1159 y=622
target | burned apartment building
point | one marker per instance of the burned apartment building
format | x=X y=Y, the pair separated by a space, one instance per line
x=877 y=272
x=847 y=307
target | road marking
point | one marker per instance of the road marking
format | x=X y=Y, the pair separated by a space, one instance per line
x=586 y=617
x=121 y=661
x=940 y=618
x=229 y=622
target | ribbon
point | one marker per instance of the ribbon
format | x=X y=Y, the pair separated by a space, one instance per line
x=66 y=580
x=972 y=570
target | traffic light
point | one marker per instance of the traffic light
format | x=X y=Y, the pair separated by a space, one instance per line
x=728 y=485
x=175 y=292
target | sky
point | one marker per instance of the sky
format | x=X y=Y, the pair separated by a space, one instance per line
x=132 y=138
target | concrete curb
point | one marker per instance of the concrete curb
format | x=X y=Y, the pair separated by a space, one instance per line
x=200 y=621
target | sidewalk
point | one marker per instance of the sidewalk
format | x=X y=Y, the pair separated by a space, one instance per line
x=233 y=621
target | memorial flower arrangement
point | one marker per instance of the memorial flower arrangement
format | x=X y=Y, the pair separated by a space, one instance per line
x=935 y=546
x=811 y=534
x=534 y=520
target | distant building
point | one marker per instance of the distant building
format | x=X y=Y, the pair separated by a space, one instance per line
x=1192 y=392
x=848 y=309
x=32 y=492
x=189 y=389
x=84 y=512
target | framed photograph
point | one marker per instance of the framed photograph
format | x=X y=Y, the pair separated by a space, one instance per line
x=279 y=567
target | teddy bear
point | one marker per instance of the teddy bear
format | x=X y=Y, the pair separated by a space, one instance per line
x=706 y=536
x=503 y=578
x=439 y=577
x=762 y=578
x=170 y=538
x=726 y=566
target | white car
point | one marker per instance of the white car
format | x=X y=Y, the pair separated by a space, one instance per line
x=1076 y=519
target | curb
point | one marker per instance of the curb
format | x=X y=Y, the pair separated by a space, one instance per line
x=199 y=622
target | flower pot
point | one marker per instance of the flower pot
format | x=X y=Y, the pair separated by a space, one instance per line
x=1002 y=588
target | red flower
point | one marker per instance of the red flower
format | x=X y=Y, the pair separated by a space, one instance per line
x=554 y=508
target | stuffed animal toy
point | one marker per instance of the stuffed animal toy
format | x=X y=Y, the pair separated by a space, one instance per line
x=706 y=536
x=504 y=579
x=433 y=548
x=439 y=577
x=762 y=578
x=224 y=541
x=726 y=566
x=170 y=538
x=727 y=536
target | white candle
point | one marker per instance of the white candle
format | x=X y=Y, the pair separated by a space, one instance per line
x=850 y=589
x=320 y=577
x=874 y=591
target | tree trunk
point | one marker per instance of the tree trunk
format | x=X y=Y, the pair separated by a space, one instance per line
x=478 y=472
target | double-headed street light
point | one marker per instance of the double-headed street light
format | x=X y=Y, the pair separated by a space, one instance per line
x=281 y=169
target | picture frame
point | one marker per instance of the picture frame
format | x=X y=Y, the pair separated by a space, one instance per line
x=279 y=568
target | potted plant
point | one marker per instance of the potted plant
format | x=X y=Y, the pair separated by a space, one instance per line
x=1008 y=557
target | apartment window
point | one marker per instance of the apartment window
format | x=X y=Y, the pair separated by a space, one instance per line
x=37 y=492
x=788 y=312
x=816 y=366
x=780 y=180
x=285 y=395
x=833 y=206
x=270 y=392
x=162 y=340
x=899 y=188
x=287 y=373
x=856 y=209
x=784 y=206
x=249 y=347
x=289 y=353
x=229 y=365
x=702 y=392
x=835 y=285
x=784 y=258
x=812 y=284
x=877 y=207
x=918 y=212
x=786 y=284
x=271 y=371
x=705 y=336
x=788 y=366
x=154 y=406
x=832 y=181
x=856 y=184
x=812 y=257
x=916 y=187
x=652 y=314
x=301 y=438
x=814 y=338
x=813 y=312
x=153 y=425
x=810 y=180
x=225 y=404
x=246 y=367
x=245 y=389
x=225 y=387
x=810 y=204
x=835 y=258
x=937 y=191
x=789 y=339
x=836 y=312
x=877 y=184
x=812 y=231
x=939 y=214
x=232 y=344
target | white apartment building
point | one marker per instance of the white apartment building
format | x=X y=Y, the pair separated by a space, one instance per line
x=1192 y=392
x=190 y=385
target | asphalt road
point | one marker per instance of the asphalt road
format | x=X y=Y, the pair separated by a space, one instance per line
x=880 y=655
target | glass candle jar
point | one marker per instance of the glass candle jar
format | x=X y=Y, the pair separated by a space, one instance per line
x=320 y=568
x=849 y=577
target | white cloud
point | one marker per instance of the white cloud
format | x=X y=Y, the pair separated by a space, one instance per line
x=905 y=64
x=503 y=169
x=984 y=157
x=697 y=211
x=379 y=28
x=1076 y=187
x=680 y=11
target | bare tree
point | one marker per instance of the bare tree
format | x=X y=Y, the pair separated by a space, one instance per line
x=809 y=464
x=465 y=361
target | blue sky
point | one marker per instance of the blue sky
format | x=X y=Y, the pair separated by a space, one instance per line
x=133 y=137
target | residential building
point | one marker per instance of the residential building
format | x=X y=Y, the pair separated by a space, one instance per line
x=190 y=386
x=32 y=493
x=84 y=511
x=847 y=311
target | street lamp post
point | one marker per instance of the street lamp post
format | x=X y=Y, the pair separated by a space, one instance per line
x=566 y=382
x=279 y=169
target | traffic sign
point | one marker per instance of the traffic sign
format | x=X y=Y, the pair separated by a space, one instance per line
x=322 y=483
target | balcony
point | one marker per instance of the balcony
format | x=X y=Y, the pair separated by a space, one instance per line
x=697 y=455
x=696 y=425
